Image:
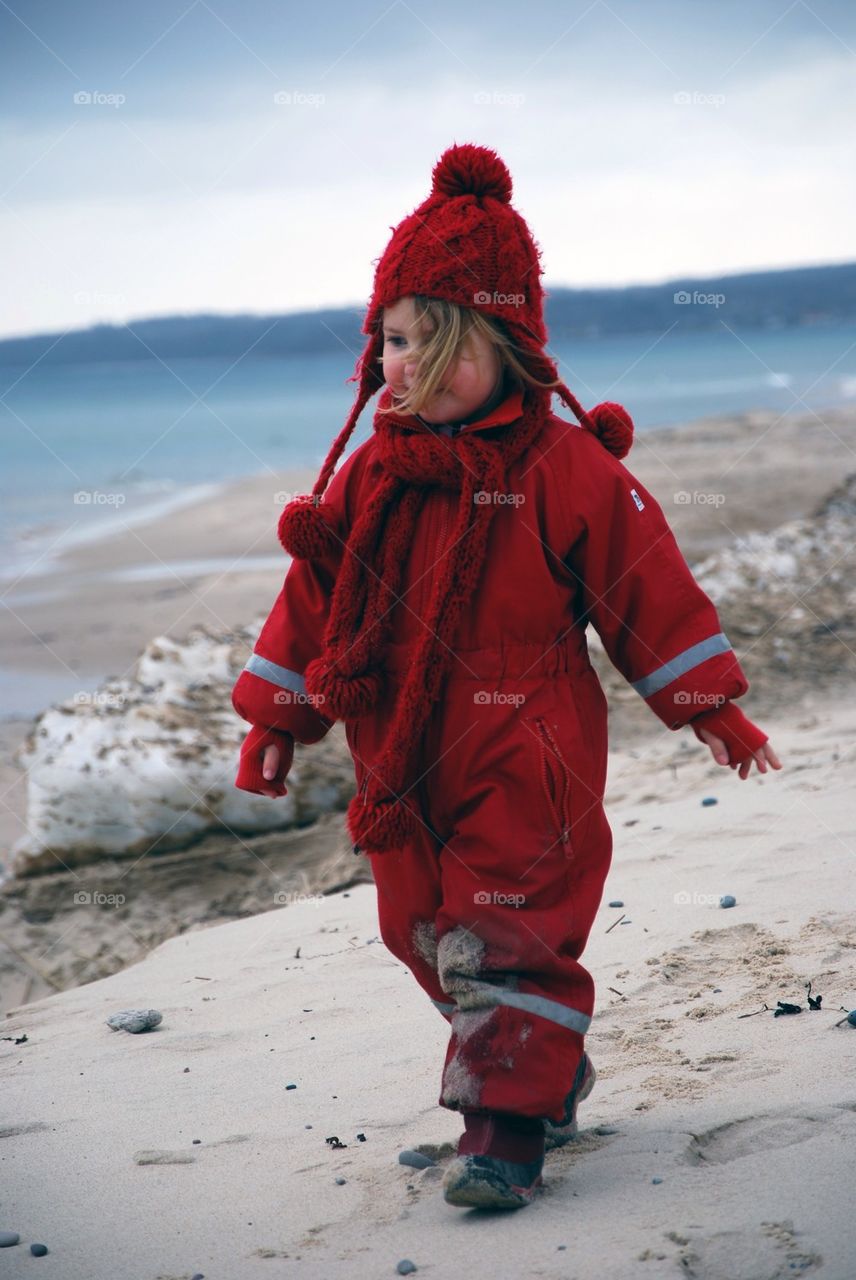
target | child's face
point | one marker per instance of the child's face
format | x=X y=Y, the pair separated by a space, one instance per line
x=472 y=380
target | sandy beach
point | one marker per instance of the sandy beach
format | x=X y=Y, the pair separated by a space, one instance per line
x=714 y=1146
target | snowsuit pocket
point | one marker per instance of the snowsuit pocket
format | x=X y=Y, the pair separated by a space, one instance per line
x=555 y=782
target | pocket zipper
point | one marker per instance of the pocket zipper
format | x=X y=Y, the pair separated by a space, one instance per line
x=561 y=806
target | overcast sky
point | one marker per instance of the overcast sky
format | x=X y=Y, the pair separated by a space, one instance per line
x=251 y=155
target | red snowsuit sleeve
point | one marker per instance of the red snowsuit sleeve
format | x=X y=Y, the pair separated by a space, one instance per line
x=270 y=692
x=659 y=629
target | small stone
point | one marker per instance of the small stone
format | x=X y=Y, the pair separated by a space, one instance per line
x=604 y=1130
x=340 y=1182
x=361 y=1137
x=728 y=900
x=38 y=1250
x=656 y=1181
x=415 y=1159
x=291 y=1086
x=708 y=801
x=135 y=1020
x=405 y=1267
x=560 y=1247
x=616 y=903
x=8 y=1238
x=851 y=1017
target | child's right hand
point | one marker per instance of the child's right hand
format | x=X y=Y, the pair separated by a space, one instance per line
x=270 y=764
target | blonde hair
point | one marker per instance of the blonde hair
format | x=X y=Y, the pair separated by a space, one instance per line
x=447 y=329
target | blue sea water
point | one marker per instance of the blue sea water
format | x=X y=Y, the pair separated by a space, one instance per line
x=157 y=435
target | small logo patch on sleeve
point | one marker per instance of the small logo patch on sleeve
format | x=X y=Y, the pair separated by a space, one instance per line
x=635 y=496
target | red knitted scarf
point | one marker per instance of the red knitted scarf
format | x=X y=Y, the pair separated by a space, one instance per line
x=348 y=676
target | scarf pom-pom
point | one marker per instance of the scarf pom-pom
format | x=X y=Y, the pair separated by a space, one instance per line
x=340 y=697
x=382 y=825
x=304 y=531
x=613 y=426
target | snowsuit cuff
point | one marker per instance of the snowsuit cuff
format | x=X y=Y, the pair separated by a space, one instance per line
x=250 y=776
x=741 y=737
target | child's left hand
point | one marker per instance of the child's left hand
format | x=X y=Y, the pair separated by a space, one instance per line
x=763 y=756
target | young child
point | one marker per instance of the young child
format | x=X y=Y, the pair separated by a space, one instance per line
x=441 y=584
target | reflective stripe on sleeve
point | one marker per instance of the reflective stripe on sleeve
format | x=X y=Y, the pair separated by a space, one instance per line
x=681 y=664
x=275 y=674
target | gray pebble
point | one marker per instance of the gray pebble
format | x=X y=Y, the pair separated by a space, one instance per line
x=728 y=900
x=709 y=800
x=340 y=1182
x=415 y=1159
x=851 y=1017
x=8 y=1238
x=405 y=1267
x=38 y=1250
x=616 y=903
x=291 y=1086
x=656 y=1181
x=604 y=1130
x=135 y=1020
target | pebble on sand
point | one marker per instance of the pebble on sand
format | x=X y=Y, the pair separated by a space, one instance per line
x=38 y=1250
x=709 y=800
x=415 y=1159
x=405 y=1267
x=616 y=903
x=656 y=1181
x=135 y=1020
x=728 y=900
x=8 y=1238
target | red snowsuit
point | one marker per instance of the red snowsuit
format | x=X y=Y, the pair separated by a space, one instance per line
x=491 y=905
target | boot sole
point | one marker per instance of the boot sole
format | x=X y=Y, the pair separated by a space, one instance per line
x=470 y=1186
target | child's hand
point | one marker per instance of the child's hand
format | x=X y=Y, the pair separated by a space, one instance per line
x=270 y=764
x=719 y=751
